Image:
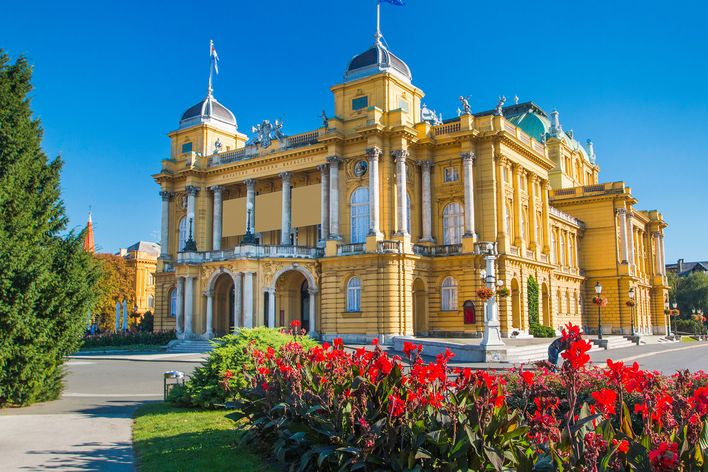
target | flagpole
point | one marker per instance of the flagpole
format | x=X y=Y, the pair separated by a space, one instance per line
x=378 y=21
x=211 y=65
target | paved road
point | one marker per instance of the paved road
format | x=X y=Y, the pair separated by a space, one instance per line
x=89 y=428
x=666 y=358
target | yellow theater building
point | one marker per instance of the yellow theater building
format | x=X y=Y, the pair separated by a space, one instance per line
x=374 y=223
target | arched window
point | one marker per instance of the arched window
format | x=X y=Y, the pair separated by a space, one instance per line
x=452 y=224
x=354 y=294
x=173 y=303
x=360 y=215
x=522 y=224
x=151 y=279
x=182 y=234
x=151 y=302
x=507 y=220
x=448 y=294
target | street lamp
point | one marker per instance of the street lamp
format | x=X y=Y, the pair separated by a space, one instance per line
x=598 y=292
x=631 y=309
x=667 y=313
x=674 y=305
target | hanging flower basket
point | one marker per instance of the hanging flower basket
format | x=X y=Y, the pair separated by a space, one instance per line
x=485 y=293
x=674 y=312
x=503 y=292
x=600 y=301
x=630 y=303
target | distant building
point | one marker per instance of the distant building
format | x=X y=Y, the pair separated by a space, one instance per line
x=683 y=268
x=89 y=245
x=143 y=256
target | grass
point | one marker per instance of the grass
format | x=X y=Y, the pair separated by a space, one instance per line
x=126 y=348
x=688 y=339
x=166 y=437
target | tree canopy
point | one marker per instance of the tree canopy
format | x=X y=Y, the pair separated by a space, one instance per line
x=47 y=282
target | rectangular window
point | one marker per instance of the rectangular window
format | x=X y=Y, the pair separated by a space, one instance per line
x=359 y=103
x=451 y=174
x=186 y=147
x=403 y=105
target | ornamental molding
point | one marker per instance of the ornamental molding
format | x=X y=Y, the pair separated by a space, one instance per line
x=400 y=155
x=373 y=153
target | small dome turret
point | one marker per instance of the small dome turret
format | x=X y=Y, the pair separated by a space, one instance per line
x=209 y=111
x=374 y=60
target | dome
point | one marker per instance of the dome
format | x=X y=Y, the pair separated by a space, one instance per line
x=374 y=60
x=209 y=111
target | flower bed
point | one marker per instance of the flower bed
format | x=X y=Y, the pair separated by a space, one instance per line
x=324 y=408
x=128 y=338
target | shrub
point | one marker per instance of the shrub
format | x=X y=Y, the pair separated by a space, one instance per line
x=327 y=409
x=532 y=298
x=147 y=322
x=689 y=326
x=229 y=357
x=128 y=338
x=540 y=331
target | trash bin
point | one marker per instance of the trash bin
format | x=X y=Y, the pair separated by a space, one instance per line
x=170 y=379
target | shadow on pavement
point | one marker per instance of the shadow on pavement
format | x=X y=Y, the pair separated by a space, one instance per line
x=87 y=456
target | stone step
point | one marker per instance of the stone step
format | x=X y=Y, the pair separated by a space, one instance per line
x=188 y=346
x=527 y=354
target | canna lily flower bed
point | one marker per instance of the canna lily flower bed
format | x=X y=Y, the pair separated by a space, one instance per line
x=326 y=408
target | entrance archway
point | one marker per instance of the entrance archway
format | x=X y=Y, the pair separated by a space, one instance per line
x=515 y=304
x=223 y=307
x=291 y=298
x=420 y=309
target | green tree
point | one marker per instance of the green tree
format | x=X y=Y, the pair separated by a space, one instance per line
x=46 y=279
x=691 y=292
x=532 y=300
x=117 y=283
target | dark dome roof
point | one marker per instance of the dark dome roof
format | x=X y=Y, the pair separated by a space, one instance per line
x=374 y=60
x=208 y=110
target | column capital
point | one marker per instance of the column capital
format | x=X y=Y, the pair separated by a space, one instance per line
x=468 y=157
x=621 y=211
x=251 y=183
x=192 y=190
x=286 y=176
x=516 y=167
x=426 y=164
x=166 y=195
x=373 y=152
x=216 y=188
x=400 y=155
x=209 y=293
x=334 y=160
x=323 y=168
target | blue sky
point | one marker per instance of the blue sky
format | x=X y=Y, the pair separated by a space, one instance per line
x=112 y=78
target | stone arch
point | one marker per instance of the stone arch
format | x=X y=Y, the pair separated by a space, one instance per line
x=302 y=301
x=215 y=275
x=296 y=267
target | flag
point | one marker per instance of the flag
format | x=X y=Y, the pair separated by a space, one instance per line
x=398 y=3
x=214 y=56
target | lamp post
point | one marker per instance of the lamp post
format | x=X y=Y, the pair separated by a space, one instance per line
x=492 y=344
x=674 y=305
x=667 y=313
x=598 y=292
x=631 y=309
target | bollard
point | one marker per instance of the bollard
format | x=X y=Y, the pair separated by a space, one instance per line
x=169 y=380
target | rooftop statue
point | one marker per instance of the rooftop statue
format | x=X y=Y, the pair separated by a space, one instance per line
x=500 y=106
x=325 y=120
x=217 y=146
x=266 y=133
x=466 y=108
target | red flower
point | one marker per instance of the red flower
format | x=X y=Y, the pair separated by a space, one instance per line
x=622 y=446
x=664 y=457
x=605 y=400
x=338 y=343
x=228 y=374
x=396 y=406
x=527 y=376
x=571 y=332
x=577 y=355
x=641 y=408
x=699 y=400
x=295 y=324
x=408 y=348
x=375 y=342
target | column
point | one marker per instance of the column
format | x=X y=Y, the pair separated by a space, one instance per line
x=216 y=226
x=188 y=307
x=250 y=205
x=179 y=315
x=313 y=304
x=285 y=221
x=192 y=192
x=165 y=229
x=468 y=159
x=621 y=212
x=517 y=206
x=333 y=197
x=238 y=279
x=545 y=224
x=630 y=235
x=248 y=300
x=533 y=216
x=400 y=156
x=209 y=333
x=662 y=261
x=500 y=197
x=324 y=192
x=373 y=154
x=426 y=167
x=655 y=254
x=271 y=307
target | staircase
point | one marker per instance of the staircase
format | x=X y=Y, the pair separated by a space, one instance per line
x=179 y=346
x=613 y=342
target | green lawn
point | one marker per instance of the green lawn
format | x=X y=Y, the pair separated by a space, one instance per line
x=171 y=438
x=126 y=348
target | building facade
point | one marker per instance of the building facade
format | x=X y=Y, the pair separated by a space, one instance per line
x=372 y=224
x=143 y=257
